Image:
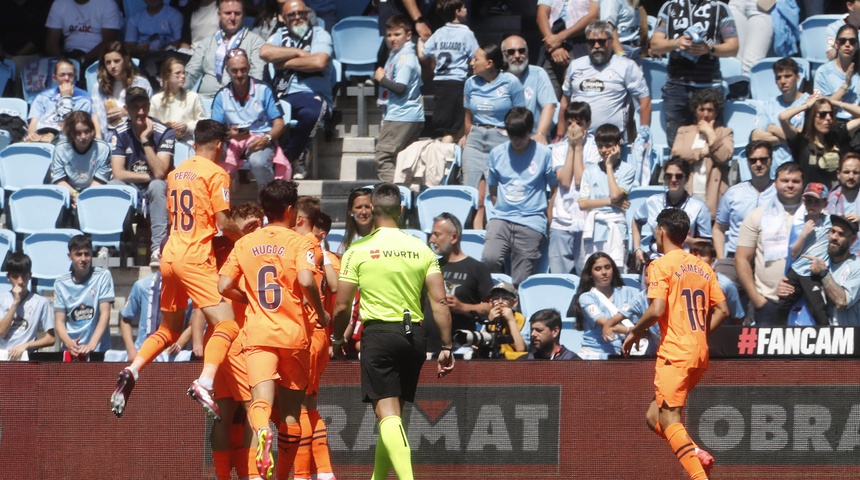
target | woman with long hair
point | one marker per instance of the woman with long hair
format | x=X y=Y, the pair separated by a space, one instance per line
x=821 y=141
x=80 y=160
x=839 y=80
x=117 y=73
x=176 y=106
x=359 y=217
x=597 y=304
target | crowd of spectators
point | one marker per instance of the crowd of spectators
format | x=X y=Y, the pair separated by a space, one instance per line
x=556 y=147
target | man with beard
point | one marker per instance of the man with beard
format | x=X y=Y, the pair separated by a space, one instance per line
x=546 y=330
x=467 y=280
x=843 y=199
x=537 y=87
x=604 y=80
x=841 y=281
x=301 y=55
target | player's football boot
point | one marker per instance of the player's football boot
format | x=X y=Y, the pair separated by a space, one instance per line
x=124 y=385
x=265 y=461
x=706 y=460
x=204 y=398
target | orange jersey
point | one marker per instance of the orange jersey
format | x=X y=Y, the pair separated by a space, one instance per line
x=328 y=302
x=196 y=190
x=690 y=289
x=267 y=262
x=318 y=276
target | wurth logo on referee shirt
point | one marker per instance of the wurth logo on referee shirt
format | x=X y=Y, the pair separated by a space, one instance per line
x=811 y=341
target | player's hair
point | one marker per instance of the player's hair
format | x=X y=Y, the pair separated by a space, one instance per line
x=755 y=145
x=323 y=222
x=309 y=206
x=675 y=223
x=708 y=95
x=786 y=63
x=848 y=156
x=351 y=226
x=519 y=122
x=788 y=167
x=80 y=242
x=73 y=119
x=210 y=131
x=276 y=196
x=386 y=200
x=399 y=21
x=454 y=221
x=65 y=60
x=166 y=69
x=586 y=283
x=129 y=70
x=607 y=135
x=703 y=248
x=680 y=163
x=18 y=263
x=598 y=27
x=549 y=317
x=578 y=111
x=493 y=53
x=247 y=210
x=447 y=9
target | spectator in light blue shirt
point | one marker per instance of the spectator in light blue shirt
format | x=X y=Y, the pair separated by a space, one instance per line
x=51 y=107
x=786 y=73
x=487 y=97
x=839 y=80
x=154 y=28
x=537 y=88
x=737 y=310
x=80 y=161
x=400 y=80
x=82 y=301
x=520 y=174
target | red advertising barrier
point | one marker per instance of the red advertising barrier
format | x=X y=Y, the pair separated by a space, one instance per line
x=502 y=420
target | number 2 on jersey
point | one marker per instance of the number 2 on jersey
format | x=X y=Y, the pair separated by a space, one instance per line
x=444 y=63
x=695 y=300
x=183 y=207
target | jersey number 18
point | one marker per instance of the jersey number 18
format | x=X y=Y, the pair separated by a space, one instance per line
x=183 y=207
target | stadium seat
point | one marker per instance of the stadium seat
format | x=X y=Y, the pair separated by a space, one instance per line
x=24 y=164
x=5 y=139
x=762 y=85
x=659 y=140
x=49 y=252
x=655 y=76
x=472 y=243
x=416 y=233
x=813 y=37
x=14 y=106
x=741 y=118
x=455 y=199
x=546 y=291
x=350 y=8
x=181 y=152
x=731 y=67
x=335 y=238
x=37 y=76
x=356 y=43
x=501 y=277
x=744 y=172
x=452 y=176
x=104 y=213
x=570 y=337
x=7 y=245
x=632 y=280
x=489 y=210
x=405 y=195
x=637 y=197
x=7 y=72
x=37 y=208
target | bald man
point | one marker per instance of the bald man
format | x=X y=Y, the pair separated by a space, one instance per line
x=540 y=96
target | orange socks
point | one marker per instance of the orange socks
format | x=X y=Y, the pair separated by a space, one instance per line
x=258 y=414
x=320 y=442
x=304 y=456
x=685 y=450
x=219 y=344
x=223 y=466
x=156 y=343
x=289 y=436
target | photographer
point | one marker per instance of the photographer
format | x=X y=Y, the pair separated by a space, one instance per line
x=505 y=321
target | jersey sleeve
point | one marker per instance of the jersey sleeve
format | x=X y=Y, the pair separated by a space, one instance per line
x=120 y=144
x=467 y=94
x=658 y=281
x=851 y=285
x=626 y=178
x=45 y=316
x=105 y=289
x=322 y=42
x=218 y=109
x=273 y=108
x=58 y=165
x=103 y=171
x=132 y=306
x=567 y=84
x=545 y=93
x=518 y=97
x=641 y=213
x=590 y=309
x=722 y=216
x=549 y=168
x=350 y=266
x=432 y=262
x=55 y=17
x=305 y=258
x=636 y=84
x=727 y=26
x=231 y=268
x=60 y=298
x=703 y=223
x=430 y=45
x=492 y=173
x=220 y=192
x=167 y=142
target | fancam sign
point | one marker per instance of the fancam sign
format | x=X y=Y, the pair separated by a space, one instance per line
x=745 y=342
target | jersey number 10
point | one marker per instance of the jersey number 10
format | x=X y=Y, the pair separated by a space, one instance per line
x=695 y=308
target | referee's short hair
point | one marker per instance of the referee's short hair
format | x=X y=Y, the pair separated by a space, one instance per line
x=454 y=221
x=386 y=200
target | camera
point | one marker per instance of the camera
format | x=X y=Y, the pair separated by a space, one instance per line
x=487 y=341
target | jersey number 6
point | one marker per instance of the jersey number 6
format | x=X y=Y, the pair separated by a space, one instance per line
x=267 y=285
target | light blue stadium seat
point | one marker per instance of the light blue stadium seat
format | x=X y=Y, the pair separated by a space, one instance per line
x=350 y=8
x=14 y=106
x=356 y=43
x=456 y=166
x=632 y=280
x=416 y=233
x=637 y=197
x=37 y=208
x=489 y=209
x=335 y=238
x=104 y=213
x=570 y=337
x=45 y=71
x=7 y=245
x=24 y=164
x=472 y=243
x=762 y=84
x=548 y=290
x=501 y=277
x=49 y=252
x=5 y=139
x=182 y=151
x=659 y=140
x=813 y=37
x=405 y=195
x=457 y=200
x=7 y=72
x=741 y=118
x=289 y=122
x=744 y=167
x=655 y=76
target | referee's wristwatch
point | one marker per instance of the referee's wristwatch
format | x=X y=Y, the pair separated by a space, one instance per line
x=335 y=342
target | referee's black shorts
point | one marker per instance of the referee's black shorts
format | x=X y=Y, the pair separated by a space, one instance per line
x=390 y=361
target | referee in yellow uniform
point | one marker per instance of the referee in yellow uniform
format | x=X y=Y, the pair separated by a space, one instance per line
x=391 y=268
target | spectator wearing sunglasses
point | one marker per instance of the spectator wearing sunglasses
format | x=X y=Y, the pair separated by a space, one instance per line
x=537 y=87
x=818 y=145
x=605 y=80
x=837 y=80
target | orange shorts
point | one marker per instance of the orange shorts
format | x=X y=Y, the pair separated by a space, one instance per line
x=319 y=358
x=180 y=280
x=673 y=383
x=231 y=380
x=289 y=367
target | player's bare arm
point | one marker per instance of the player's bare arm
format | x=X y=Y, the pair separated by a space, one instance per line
x=228 y=288
x=719 y=314
x=342 y=310
x=312 y=294
x=226 y=224
x=651 y=315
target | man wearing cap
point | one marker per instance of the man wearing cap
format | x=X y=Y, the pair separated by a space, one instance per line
x=503 y=301
x=841 y=279
x=809 y=239
x=141 y=156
